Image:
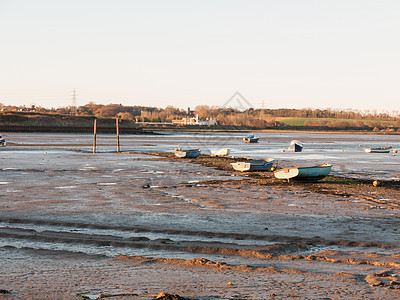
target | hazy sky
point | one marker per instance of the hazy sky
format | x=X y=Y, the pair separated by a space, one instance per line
x=283 y=53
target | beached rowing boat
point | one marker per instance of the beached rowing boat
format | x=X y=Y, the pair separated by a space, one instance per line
x=192 y=153
x=304 y=173
x=268 y=164
x=251 y=138
x=220 y=152
x=378 y=150
x=295 y=146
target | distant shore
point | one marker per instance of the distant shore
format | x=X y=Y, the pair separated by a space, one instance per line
x=153 y=130
x=30 y=122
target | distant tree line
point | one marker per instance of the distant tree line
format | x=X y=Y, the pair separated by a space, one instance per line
x=258 y=118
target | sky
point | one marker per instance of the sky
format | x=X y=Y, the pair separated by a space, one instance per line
x=340 y=54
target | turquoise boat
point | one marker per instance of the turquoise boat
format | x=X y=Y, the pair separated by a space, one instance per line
x=304 y=173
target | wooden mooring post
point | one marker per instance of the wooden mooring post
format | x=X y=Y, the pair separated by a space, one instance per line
x=94 y=136
x=117 y=122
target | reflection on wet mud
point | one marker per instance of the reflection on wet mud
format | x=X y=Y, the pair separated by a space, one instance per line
x=154 y=212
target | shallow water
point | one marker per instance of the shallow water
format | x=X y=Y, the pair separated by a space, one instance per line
x=344 y=151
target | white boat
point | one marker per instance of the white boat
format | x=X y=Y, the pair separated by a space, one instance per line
x=191 y=153
x=268 y=164
x=304 y=173
x=220 y=152
x=378 y=150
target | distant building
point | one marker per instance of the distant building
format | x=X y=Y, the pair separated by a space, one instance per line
x=194 y=121
x=27 y=109
x=185 y=121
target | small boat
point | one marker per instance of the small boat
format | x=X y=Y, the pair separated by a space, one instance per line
x=378 y=150
x=268 y=164
x=295 y=146
x=220 y=152
x=304 y=173
x=192 y=153
x=2 y=142
x=251 y=138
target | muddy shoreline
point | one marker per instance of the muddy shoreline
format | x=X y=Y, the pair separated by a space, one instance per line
x=145 y=223
x=267 y=178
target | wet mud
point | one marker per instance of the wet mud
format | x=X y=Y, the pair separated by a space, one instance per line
x=145 y=223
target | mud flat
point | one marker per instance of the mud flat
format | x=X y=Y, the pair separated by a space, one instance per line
x=76 y=223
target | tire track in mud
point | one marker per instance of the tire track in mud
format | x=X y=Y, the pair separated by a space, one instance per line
x=202 y=235
x=377 y=270
x=221 y=256
x=380 y=203
x=388 y=279
x=226 y=246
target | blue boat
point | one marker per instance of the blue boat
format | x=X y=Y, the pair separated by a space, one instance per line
x=192 y=153
x=251 y=138
x=295 y=146
x=304 y=173
x=2 y=142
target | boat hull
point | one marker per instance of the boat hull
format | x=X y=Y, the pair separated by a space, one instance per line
x=250 y=140
x=295 y=146
x=378 y=150
x=304 y=173
x=193 y=153
x=221 y=152
x=254 y=165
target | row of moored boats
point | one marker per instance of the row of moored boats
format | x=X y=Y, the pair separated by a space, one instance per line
x=270 y=164
x=299 y=173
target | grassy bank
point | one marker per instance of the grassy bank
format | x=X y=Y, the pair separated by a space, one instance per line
x=36 y=122
x=45 y=122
